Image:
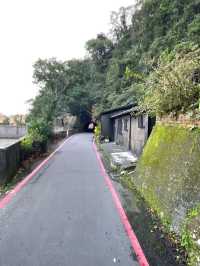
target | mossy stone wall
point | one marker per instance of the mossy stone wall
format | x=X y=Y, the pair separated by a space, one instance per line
x=168 y=172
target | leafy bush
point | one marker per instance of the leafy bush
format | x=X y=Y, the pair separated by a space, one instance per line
x=39 y=130
x=26 y=147
x=97 y=133
x=174 y=86
x=26 y=144
x=36 y=139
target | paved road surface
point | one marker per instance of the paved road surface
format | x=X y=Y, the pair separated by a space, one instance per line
x=65 y=215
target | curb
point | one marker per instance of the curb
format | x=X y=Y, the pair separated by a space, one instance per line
x=124 y=219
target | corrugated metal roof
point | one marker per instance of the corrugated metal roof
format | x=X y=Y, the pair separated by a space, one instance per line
x=121 y=113
x=122 y=108
x=130 y=111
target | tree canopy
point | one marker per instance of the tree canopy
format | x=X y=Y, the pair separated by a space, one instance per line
x=132 y=64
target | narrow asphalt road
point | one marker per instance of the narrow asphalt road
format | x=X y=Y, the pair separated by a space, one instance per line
x=65 y=215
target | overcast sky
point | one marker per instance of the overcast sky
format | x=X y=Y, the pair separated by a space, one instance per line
x=44 y=28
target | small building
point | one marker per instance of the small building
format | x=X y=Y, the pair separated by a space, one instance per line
x=127 y=126
x=107 y=126
x=64 y=124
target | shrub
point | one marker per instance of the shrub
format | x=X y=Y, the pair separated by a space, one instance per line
x=174 y=86
x=39 y=131
x=27 y=143
x=36 y=140
x=97 y=133
x=26 y=147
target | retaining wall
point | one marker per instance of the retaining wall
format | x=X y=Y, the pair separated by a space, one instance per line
x=181 y=119
x=9 y=162
x=168 y=176
x=168 y=172
x=12 y=132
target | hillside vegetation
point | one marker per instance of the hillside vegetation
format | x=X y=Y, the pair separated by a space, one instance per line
x=151 y=57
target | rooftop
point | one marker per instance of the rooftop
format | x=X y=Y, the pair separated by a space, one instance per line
x=122 y=108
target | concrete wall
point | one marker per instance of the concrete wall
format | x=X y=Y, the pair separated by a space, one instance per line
x=58 y=129
x=12 y=132
x=124 y=138
x=168 y=177
x=9 y=162
x=168 y=172
x=139 y=136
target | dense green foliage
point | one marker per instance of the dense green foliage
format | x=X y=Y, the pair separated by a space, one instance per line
x=174 y=87
x=147 y=53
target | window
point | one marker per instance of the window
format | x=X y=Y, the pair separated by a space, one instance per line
x=140 y=121
x=126 y=124
x=119 y=126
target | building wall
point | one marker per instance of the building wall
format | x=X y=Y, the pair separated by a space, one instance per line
x=107 y=130
x=12 y=132
x=123 y=137
x=107 y=124
x=138 y=135
x=9 y=162
x=133 y=136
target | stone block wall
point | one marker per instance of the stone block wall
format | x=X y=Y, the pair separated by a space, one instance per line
x=182 y=120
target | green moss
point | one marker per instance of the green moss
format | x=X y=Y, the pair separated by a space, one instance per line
x=168 y=176
x=194 y=212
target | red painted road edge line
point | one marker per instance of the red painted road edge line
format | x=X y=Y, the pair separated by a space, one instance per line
x=132 y=237
x=5 y=200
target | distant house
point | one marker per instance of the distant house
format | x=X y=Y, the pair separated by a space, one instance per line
x=64 y=123
x=17 y=120
x=4 y=119
x=127 y=126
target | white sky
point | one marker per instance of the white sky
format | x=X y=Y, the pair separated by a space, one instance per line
x=30 y=29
